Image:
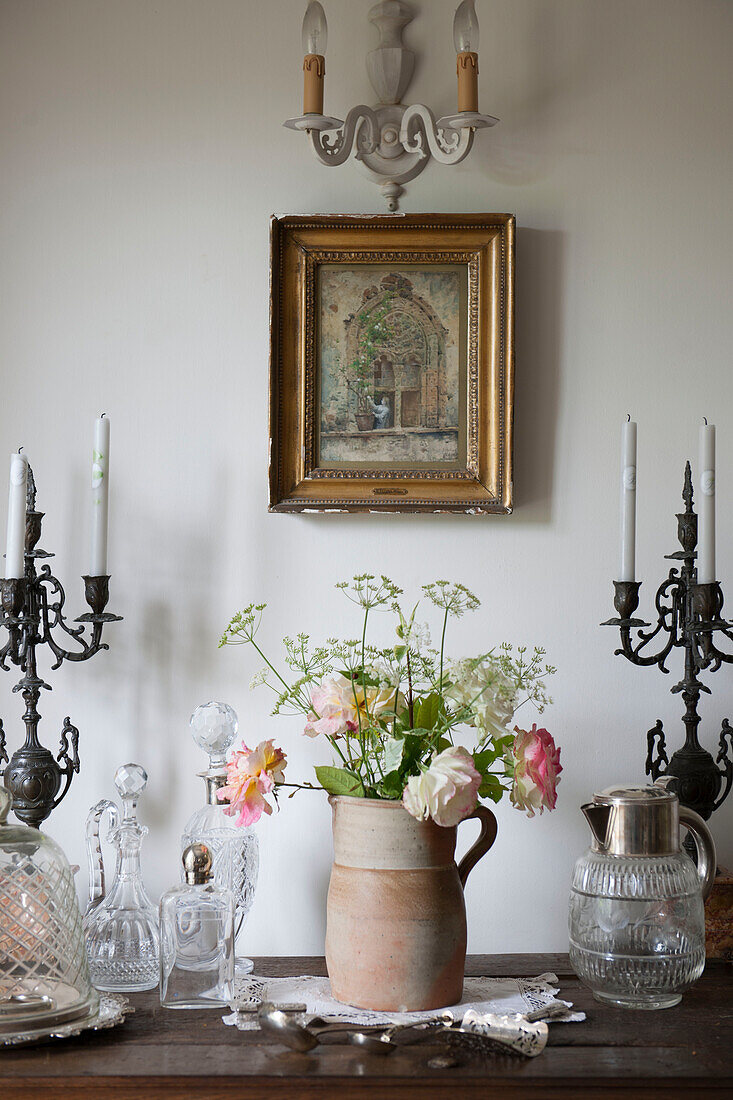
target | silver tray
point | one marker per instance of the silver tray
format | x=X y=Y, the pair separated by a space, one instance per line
x=113 y=1008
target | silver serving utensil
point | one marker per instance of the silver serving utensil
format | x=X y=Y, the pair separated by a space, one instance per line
x=278 y=1025
x=487 y=1032
x=382 y=1043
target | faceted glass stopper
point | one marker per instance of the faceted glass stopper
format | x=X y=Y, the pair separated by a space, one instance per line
x=214 y=728
x=131 y=780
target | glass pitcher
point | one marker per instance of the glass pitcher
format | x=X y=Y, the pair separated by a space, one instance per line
x=121 y=925
x=637 y=925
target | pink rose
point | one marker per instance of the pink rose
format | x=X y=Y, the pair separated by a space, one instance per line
x=251 y=774
x=334 y=712
x=447 y=791
x=536 y=760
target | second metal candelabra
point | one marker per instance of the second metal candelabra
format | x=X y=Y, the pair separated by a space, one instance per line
x=32 y=611
x=689 y=617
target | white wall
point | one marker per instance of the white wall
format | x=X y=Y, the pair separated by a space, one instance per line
x=142 y=156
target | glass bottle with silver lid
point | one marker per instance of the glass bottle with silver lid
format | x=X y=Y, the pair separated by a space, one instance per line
x=636 y=921
x=234 y=849
x=197 y=937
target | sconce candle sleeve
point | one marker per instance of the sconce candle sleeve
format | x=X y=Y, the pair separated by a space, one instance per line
x=314 y=68
x=467 y=66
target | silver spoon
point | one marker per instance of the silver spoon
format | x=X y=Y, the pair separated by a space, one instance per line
x=279 y=1025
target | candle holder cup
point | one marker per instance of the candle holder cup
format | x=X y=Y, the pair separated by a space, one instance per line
x=32 y=612
x=626 y=601
x=96 y=593
x=689 y=617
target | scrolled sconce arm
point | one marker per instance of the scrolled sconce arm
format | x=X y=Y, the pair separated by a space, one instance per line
x=334 y=147
x=447 y=146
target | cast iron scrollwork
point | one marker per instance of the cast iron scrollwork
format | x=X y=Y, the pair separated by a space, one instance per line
x=688 y=617
x=33 y=614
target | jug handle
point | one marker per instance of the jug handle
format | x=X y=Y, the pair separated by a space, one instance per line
x=95 y=862
x=705 y=845
x=486 y=838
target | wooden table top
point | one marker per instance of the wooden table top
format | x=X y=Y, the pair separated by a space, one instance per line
x=686 y=1051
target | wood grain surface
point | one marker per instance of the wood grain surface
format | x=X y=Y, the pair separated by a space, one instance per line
x=685 y=1051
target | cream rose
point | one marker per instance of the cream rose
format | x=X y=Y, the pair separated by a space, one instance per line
x=447 y=792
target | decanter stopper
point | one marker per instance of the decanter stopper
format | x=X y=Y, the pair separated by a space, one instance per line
x=214 y=728
x=130 y=781
x=197 y=864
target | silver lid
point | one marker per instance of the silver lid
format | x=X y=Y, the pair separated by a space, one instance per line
x=634 y=821
x=197 y=864
x=632 y=796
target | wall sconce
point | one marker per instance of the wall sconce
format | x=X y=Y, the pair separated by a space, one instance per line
x=392 y=143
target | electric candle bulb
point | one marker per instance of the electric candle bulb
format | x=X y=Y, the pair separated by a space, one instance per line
x=315 y=29
x=465 y=28
x=465 y=38
x=315 y=36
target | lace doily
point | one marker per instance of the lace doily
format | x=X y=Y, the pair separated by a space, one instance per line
x=502 y=996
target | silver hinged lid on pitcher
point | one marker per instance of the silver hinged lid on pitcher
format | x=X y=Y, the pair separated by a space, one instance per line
x=637 y=926
x=645 y=821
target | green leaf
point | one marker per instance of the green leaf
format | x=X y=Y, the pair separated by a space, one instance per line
x=339 y=781
x=393 y=748
x=426 y=711
x=491 y=788
x=484 y=759
x=392 y=785
x=414 y=745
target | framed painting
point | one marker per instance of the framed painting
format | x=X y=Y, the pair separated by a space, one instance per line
x=392 y=363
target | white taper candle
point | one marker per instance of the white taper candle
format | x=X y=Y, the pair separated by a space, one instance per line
x=100 y=498
x=15 y=543
x=706 y=506
x=628 y=501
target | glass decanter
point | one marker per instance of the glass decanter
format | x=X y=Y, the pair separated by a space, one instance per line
x=44 y=977
x=197 y=938
x=636 y=921
x=235 y=850
x=121 y=925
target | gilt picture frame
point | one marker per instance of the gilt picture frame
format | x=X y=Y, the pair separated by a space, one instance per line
x=392 y=363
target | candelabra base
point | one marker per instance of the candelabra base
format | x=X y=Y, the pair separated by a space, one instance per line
x=33 y=778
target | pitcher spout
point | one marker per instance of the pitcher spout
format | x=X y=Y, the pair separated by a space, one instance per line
x=598 y=817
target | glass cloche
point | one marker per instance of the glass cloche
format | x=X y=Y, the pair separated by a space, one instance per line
x=235 y=849
x=44 y=976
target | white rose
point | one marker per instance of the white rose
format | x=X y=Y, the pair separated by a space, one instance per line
x=447 y=791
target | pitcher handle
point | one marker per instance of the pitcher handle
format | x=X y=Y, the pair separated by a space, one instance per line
x=95 y=861
x=486 y=838
x=705 y=845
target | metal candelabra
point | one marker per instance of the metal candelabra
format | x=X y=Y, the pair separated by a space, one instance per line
x=689 y=617
x=32 y=612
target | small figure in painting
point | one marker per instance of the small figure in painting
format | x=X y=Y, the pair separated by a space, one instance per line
x=382 y=412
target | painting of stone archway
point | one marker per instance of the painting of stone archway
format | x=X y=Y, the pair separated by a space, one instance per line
x=392 y=366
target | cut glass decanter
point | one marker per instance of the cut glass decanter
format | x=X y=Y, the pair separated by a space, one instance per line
x=235 y=850
x=121 y=925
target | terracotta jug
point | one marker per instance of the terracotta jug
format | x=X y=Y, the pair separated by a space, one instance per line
x=396 y=918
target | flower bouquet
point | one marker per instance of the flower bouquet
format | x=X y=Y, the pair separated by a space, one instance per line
x=399 y=782
x=392 y=715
